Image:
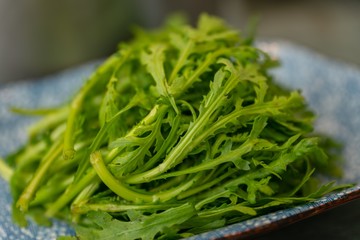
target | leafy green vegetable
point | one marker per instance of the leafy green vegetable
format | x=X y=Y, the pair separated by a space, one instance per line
x=138 y=225
x=181 y=131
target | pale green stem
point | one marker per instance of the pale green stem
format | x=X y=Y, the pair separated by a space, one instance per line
x=118 y=207
x=29 y=192
x=205 y=186
x=5 y=170
x=122 y=190
x=49 y=121
x=182 y=58
x=76 y=106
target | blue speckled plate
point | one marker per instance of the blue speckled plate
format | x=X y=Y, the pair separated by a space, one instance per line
x=332 y=89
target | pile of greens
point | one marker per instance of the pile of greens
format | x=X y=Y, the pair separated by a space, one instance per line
x=179 y=132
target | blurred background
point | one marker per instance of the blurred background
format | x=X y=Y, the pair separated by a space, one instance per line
x=40 y=37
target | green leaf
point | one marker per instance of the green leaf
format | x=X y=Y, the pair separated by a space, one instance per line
x=141 y=227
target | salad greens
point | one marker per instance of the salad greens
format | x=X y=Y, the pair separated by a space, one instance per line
x=181 y=131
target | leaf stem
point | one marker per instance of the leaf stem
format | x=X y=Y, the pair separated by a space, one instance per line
x=49 y=121
x=119 y=207
x=28 y=193
x=76 y=106
x=124 y=191
x=185 y=52
x=5 y=170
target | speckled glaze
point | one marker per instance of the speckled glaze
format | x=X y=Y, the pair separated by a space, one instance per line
x=332 y=89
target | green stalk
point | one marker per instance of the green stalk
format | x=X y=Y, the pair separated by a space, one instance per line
x=168 y=143
x=185 y=52
x=43 y=194
x=33 y=112
x=211 y=196
x=82 y=198
x=212 y=163
x=119 y=207
x=124 y=191
x=168 y=184
x=71 y=192
x=49 y=121
x=114 y=184
x=96 y=142
x=28 y=193
x=30 y=154
x=77 y=104
x=5 y=170
x=205 y=186
x=223 y=210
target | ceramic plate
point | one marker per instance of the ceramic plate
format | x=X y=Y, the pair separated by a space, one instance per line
x=332 y=89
